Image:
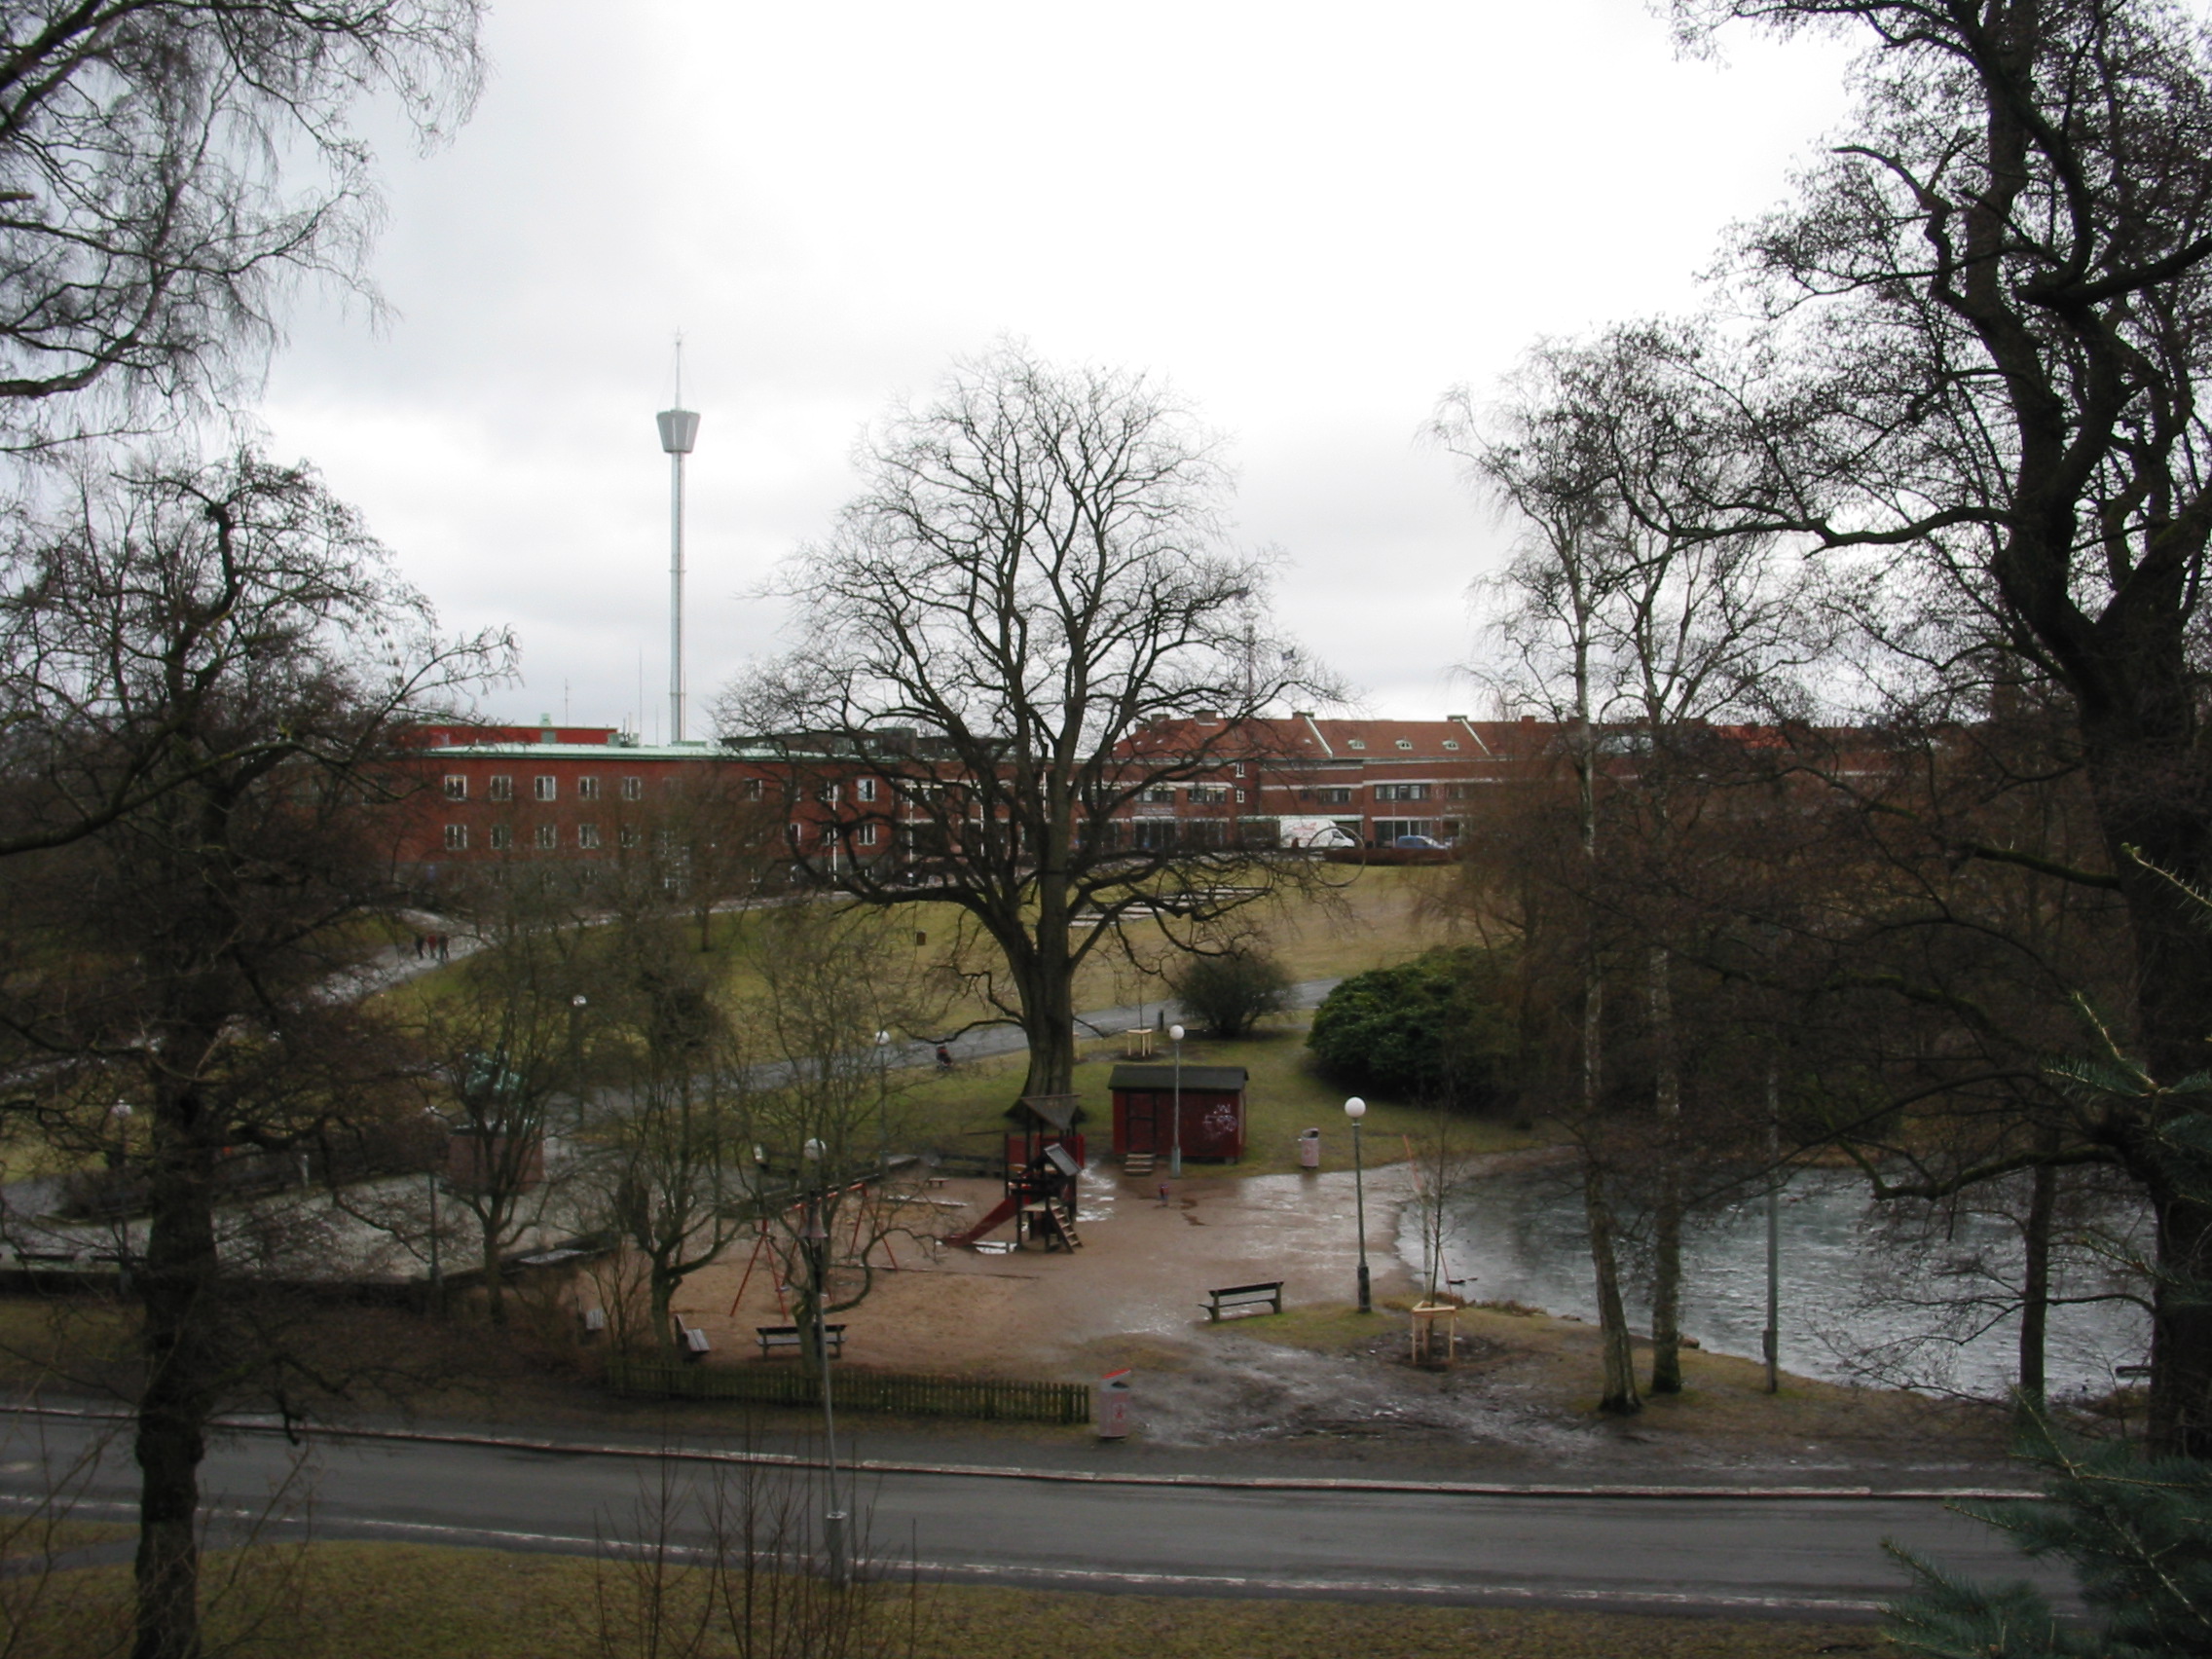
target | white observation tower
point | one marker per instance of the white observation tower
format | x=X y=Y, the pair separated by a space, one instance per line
x=679 y=430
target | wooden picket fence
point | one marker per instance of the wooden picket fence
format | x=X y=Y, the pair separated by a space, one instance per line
x=988 y=1398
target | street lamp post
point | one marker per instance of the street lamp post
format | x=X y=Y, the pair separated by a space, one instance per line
x=438 y=1276
x=1175 y=1127
x=576 y=1006
x=818 y=1250
x=882 y=1100
x=1356 y=1109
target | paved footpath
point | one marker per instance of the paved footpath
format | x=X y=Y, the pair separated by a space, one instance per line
x=1068 y=1523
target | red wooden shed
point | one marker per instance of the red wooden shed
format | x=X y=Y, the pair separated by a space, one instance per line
x=1213 y=1110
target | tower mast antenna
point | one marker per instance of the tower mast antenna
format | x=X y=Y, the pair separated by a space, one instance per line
x=679 y=431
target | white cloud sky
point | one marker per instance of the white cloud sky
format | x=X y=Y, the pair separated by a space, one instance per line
x=1311 y=221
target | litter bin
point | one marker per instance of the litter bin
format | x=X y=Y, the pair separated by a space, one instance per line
x=1309 y=1150
x=1113 y=1406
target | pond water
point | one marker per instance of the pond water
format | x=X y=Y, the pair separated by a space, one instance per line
x=1867 y=1293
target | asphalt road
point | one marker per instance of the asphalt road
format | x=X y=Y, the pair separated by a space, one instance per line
x=1817 y=1557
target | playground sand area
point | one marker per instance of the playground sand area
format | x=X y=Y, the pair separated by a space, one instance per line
x=1139 y=1279
x=1520 y=1397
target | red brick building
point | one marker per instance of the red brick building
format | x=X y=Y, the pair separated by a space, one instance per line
x=570 y=791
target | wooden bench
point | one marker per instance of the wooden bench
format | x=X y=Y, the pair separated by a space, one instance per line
x=794 y=1338
x=1241 y=1297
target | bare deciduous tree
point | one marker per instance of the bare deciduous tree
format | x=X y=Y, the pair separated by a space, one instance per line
x=260 y=659
x=1028 y=620
x=166 y=168
x=1634 y=632
x=1995 y=291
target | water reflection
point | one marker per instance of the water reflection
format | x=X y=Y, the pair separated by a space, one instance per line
x=1868 y=1292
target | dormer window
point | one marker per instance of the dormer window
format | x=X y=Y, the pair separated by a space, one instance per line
x=1405 y=743
x=1356 y=743
x=1451 y=743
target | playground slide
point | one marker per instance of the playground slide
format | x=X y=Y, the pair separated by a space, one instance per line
x=1005 y=1212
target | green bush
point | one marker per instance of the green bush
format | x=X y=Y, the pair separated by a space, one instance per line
x=1438 y=1028
x=1226 y=993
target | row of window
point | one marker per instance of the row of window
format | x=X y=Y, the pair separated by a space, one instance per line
x=543 y=787
x=1451 y=743
x=860 y=836
x=502 y=837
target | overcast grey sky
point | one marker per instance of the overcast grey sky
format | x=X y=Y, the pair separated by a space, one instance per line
x=1310 y=220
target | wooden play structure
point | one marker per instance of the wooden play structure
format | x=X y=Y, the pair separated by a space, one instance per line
x=1043 y=1166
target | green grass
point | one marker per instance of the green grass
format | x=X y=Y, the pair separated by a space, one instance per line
x=1283 y=1097
x=346 y=1600
x=1370 y=918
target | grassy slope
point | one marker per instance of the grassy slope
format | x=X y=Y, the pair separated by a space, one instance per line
x=1377 y=916
x=410 y=1602
x=1283 y=1097
x=1370 y=918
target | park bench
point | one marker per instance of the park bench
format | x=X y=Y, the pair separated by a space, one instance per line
x=792 y=1336
x=1243 y=1295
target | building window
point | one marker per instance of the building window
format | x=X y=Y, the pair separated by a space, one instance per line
x=587 y=836
x=1330 y=798
x=1458 y=791
x=866 y=835
x=588 y=788
x=1401 y=792
x=1208 y=795
x=1159 y=794
x=829 y=794
x=502 y=788
x=1239 y=772
x=1356 y=743
x=548 y=837
x=1240 y=796
x=457 y=837
x=865 y=790
x=1388 y=830
x=630 y=838
x=545 y=787
x=1451 y=743
x=1405 y=743
x=502 y=837
x=633 y=788
x=753 y=789
x=456 y=787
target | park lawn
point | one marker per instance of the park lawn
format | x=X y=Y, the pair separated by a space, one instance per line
x=1551 y=1363
x=1283 y=1097
x=356 y=1601
x=1366 y=919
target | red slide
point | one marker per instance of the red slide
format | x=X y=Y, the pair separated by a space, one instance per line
x=1005 y=1212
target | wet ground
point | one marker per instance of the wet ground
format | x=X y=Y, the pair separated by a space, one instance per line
x=1321 y=1381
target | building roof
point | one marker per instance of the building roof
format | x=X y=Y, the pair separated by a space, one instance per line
x=1312 y=737
x=1061 y=1112
x=1229 y=1079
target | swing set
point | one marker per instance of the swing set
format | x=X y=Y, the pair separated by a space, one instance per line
x=775 y=1265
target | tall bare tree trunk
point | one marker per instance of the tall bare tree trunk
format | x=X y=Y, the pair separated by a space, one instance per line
x=1617 y=1393
x=1048 y=1013
x=178 y=1292
x=1667 y=1221
x=2034 y=1285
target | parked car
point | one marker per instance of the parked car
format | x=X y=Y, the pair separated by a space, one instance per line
x=1421 y=843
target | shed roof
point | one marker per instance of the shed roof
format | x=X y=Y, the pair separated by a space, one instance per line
x=1061 y=1112
x=1220 y=1077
